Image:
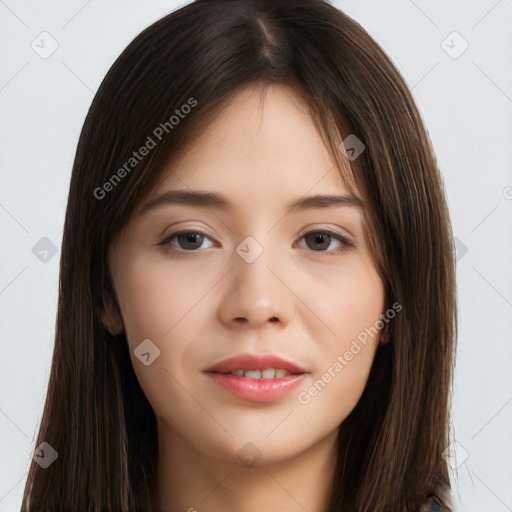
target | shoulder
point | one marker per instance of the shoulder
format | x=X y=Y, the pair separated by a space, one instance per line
x=434 y=504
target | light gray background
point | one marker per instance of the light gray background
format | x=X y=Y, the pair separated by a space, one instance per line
x=466 y=103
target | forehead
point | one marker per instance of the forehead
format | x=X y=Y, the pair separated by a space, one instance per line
x=258 y=142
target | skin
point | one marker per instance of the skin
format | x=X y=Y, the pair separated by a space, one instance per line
x=303 y=301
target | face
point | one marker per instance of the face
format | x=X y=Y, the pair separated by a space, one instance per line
x=250 y=276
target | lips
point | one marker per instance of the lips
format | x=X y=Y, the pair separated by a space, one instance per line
x=257 y=388
x=255 y=362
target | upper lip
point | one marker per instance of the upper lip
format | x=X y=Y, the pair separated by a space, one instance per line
x=254 y=362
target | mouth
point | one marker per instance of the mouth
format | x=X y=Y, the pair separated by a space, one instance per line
x=267 y=373
x=257 y=378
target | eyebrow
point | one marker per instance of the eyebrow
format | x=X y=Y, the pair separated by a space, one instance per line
x=205 y=199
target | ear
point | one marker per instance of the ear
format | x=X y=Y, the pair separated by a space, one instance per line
x=111 y=315
x=384 y=336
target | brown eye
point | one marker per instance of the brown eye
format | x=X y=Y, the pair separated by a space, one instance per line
x=186 y=240
x=319 y=241
x=190 y=241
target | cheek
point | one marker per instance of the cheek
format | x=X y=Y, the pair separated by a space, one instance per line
x=350 y=305
x=333 y=394
x=346 y=301
x=159 y=303
x=359 y=303
x=157 y=299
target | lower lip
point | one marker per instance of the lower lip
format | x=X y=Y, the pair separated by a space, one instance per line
x=257 y=390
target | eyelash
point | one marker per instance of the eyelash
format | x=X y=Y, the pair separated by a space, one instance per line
x=346 y=243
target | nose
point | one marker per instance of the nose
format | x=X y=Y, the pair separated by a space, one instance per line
x=257 y=294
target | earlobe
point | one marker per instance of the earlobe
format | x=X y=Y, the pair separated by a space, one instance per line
x=111 y=316
x=384 y=337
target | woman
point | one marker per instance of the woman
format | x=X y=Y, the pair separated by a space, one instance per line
x=257 y=294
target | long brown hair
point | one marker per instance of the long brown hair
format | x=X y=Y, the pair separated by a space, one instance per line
x=96 y=416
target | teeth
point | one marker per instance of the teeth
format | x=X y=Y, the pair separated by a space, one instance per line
x=252 y=374
x=267 y=373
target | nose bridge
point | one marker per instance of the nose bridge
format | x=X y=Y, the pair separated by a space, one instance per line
x=257 y=294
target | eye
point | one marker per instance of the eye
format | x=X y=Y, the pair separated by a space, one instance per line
x=318 y=241
x=186 y=240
